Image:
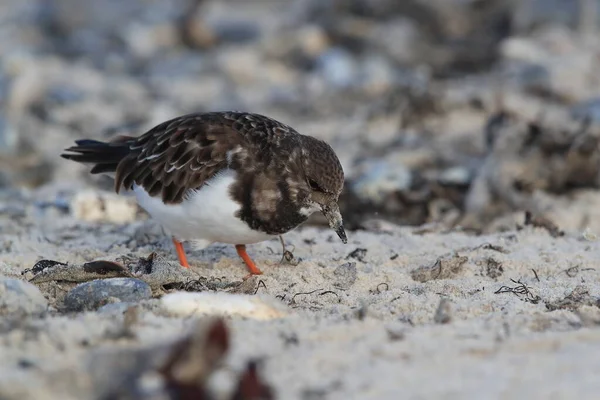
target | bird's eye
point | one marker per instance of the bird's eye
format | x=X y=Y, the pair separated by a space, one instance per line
x=314 y=186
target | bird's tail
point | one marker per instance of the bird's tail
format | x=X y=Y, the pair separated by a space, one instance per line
x=105 y=156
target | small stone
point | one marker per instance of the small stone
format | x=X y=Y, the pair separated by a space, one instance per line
x=588 y=109
x=313 y=40
x=455 y=176
x=377 y=179
x=94 y=294
x=443 y=312
x=338 y=68
x=19 y=297
x=378 y=75
x=396 y=331
x=345 y=275
x=8 y=137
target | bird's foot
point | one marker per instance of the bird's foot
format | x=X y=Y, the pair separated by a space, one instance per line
x=241 y=250
x=181 y=253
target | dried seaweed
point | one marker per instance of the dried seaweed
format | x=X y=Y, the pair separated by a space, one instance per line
x=293 y=300
x=155 y=270
x=260 y=284
x=580 y=296
x=521 y=291
x=318 y=292
x=357 y=254
x=379 y=288
x=288 y=256
x=572 y=272
x=106 y=268
x=42 y=265
x=484 y=246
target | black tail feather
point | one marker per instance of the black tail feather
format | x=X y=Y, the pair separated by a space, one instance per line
x=90 y=143
x=105 y=156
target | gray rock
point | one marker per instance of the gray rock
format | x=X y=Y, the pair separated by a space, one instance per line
x=378 y=178
x=528 y=76
x=338 y=67
x=19 y=297
x=455 y=176
x=115 y=308
x=94 y=294
x=401 y=39
x=8 y=137
x=235 y=31
x=588 y=109
x=345 y=275
x=532 y=13
x=443 y=314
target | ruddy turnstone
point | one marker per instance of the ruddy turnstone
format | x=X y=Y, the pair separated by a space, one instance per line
x=229 y=177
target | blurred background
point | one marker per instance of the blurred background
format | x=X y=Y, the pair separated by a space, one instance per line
x=457 y=114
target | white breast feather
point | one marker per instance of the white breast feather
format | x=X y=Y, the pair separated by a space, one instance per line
x=207 y=215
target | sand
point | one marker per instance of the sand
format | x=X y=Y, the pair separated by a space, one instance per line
x=415 y=315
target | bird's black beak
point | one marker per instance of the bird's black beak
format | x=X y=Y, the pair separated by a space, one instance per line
x=342 y=234
x=334 y=217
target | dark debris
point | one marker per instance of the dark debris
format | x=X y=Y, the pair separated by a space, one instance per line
x=357 y=254
x=42 y=265
x=539 y=221
x=445 y=267
x=580 y=296
x=521 y=291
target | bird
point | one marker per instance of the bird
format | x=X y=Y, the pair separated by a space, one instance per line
x=222 y=177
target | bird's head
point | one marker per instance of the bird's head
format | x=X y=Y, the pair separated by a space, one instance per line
x=325 y=179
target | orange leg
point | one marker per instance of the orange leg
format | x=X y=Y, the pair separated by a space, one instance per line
x=241 y=250
x=180 y=253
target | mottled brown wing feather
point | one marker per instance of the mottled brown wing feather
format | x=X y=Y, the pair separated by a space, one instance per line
x=178 y=156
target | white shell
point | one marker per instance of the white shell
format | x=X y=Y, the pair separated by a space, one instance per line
x=186 y=304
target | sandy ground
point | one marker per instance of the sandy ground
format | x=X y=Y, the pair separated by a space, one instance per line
x=418 y=315
x=435 y=108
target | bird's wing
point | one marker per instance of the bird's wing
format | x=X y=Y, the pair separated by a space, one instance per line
x=179 y=155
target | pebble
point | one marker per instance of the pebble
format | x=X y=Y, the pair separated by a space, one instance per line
x=455 y=176
x=94 y=294
x=345 y=275
x=338 y=68
x=588 y=109
x=443 y=314
x=8 y=137
x=18 y=297
x=380 y=178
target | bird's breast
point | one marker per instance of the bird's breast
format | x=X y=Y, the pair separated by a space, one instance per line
x=209 y=213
